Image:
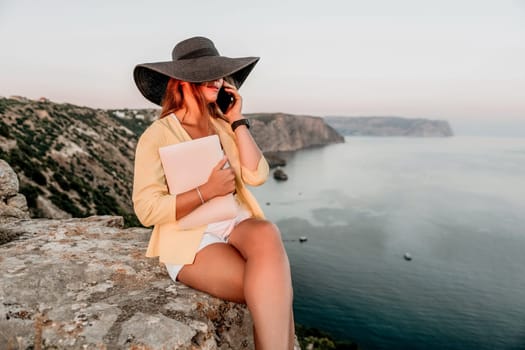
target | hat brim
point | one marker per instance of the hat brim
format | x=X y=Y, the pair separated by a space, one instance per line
x=152 y=78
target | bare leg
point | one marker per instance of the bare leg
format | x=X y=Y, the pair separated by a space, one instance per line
x=218 y=270
x=253 y=269
x=267 y=282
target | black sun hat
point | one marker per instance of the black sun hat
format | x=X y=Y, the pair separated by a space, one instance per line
x=195 y=60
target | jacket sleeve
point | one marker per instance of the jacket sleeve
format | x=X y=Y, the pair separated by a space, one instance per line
x=257 y=177
x=151 y=199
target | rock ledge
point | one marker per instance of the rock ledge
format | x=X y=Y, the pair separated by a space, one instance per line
x=85 y=284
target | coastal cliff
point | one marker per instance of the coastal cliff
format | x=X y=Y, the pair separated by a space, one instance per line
x=390 y=126
x=277 y=132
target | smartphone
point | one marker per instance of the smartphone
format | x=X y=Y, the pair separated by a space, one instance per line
x=224 y=100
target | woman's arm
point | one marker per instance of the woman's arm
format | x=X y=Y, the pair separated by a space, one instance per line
x=152 y=202
x=151 y=199
x=249 y=153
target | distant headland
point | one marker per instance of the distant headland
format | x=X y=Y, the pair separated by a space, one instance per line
x=390 y=126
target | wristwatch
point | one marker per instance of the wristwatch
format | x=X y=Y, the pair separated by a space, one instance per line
x=240 y=122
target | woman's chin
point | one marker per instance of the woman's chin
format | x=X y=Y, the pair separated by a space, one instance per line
x=211 y=98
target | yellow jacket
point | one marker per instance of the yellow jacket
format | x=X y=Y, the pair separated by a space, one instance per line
x=155 y=206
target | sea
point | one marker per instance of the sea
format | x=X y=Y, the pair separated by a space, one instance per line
x=455 y=206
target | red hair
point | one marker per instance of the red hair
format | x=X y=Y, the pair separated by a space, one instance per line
x=173 y=99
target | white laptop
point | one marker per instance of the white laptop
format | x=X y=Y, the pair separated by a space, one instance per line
x=188 y=165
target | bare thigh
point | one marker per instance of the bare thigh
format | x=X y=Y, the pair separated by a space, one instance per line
x=218 y=270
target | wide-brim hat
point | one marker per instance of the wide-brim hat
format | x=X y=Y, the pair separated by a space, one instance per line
x=195 y=60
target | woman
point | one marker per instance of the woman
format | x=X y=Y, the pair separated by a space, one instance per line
x=240 y=259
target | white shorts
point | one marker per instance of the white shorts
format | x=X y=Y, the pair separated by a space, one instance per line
x=216 y=232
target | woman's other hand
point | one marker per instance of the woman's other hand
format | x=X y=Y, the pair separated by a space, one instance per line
x=220 y=183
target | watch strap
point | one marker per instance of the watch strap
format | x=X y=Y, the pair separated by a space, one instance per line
x=240 y=122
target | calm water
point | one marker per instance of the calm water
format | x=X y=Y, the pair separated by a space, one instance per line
x=457 y=205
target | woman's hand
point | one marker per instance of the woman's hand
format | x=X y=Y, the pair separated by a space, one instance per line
x=220 y=183
x=233 y=112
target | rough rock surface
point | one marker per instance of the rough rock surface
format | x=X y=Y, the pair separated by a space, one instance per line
x=85 y=284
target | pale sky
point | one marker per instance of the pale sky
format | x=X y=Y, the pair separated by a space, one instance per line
x=446 y=59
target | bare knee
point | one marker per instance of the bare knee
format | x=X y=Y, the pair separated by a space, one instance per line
x=259 y=237
x=267 y=230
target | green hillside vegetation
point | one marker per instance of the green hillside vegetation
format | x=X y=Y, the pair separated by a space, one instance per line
x=78 y=158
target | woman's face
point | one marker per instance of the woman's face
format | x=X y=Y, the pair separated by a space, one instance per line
x=210 y=89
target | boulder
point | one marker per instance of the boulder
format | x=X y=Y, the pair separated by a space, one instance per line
x=8 y=181
x=280 y=175
x=13 y=205
x=85 y=284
